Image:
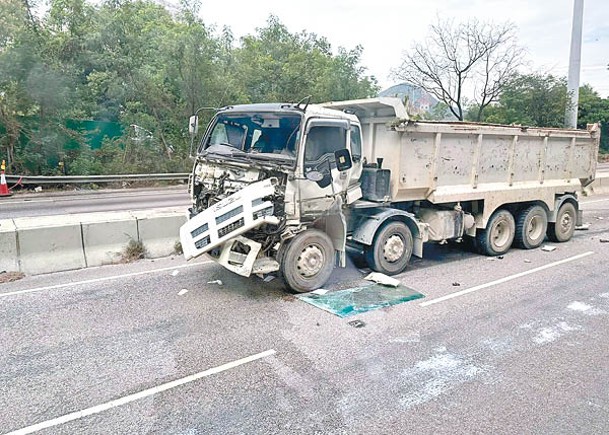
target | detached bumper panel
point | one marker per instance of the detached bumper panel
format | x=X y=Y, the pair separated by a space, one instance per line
x=231 y=217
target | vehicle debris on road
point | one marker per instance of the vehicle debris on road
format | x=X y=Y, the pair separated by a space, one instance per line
x=548 y=248
x=182 y=292
x=382 y=279
x=216 y=281
x=357 y=323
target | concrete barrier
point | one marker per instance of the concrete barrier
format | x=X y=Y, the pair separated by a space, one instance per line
x=159 y=231
x=49 y=244
x=36 y=245
x=8 y=246
x=105 y=236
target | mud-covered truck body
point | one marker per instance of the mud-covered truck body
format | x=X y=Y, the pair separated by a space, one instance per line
x=293 y=187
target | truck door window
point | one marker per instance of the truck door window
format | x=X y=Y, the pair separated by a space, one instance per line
x=356 y=143
x=321 y=144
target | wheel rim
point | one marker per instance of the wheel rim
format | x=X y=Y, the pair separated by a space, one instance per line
x=566 y=222
x=536 y=228
x=501 y=234
x=311 y=261
x=394 y=248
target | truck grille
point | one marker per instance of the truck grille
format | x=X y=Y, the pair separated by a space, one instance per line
x=230 y=228
x=229 y=214
x=202 y=243
x=198 y=231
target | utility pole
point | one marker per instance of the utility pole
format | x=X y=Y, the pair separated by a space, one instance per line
x=575 y=61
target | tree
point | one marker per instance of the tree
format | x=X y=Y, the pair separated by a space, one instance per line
x=276 y=65
x=77 y=84
x=455 y=60
x=530 y=99
x=591 y=109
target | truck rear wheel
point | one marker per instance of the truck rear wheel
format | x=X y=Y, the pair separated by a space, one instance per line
x=391 y=249
x=497 y=237
x=308 y=261
x=562 y=230
x=531 y=226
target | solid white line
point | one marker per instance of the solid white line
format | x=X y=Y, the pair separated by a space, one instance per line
x=136 y=396
x=506 y=279
x=96 y=280
x=25 y=201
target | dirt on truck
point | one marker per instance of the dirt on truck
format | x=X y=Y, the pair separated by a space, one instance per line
x=294 y=187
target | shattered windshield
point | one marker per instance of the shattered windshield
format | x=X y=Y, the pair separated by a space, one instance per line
x=269 y=135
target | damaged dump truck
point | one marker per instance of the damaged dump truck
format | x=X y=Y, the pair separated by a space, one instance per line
x=294 y=187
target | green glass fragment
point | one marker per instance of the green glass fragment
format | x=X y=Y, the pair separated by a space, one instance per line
x=345 y=303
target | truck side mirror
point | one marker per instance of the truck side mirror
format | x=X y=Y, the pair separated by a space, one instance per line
x=193 y=125
x=343 y=159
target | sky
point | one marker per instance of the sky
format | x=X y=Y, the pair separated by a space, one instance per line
x=386 y=28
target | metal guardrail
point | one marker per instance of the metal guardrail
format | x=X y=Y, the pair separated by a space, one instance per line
x=86 y=179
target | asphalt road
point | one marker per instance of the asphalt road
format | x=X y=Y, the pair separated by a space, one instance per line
x=85 y=201
x=525 y=351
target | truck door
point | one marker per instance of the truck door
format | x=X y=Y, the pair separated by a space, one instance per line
x=322 y=181
x=355 y=143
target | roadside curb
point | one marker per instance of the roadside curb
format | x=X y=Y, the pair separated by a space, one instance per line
x=36 y=245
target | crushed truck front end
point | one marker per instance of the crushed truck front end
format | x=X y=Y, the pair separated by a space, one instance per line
x=246 y=210
x=241 y=194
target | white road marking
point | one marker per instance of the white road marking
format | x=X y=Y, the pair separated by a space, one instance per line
x=96 y=280
x=136 y=396
x=26 y=201
x=506 y=279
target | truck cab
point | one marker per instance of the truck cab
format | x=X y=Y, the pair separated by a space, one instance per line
x=266 y=173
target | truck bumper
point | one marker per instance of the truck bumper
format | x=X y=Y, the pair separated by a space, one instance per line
x=245 y=264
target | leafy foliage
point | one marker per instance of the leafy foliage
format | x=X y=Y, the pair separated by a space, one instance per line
x=132 y=63
x=540 y=100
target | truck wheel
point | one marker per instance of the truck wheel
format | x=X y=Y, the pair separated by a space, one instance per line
x=562 y=230
x=391 y=249
x=531 y=226
x=497 y=237
x=308 y=261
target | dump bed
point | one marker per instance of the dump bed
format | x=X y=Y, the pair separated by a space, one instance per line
x=447 y=162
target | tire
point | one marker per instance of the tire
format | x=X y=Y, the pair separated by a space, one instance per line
x=497 y=237
x=308 y=261
x=391 y=249
x=531 y=227
x=562 y=230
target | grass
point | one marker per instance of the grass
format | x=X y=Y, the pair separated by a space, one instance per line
x=135 y=250
x=10 y=276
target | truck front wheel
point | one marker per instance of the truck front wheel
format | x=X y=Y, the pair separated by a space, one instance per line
x=308 y=261
x=497 y=237
x=391 y=249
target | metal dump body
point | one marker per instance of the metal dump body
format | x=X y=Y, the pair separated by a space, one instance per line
x=445 y=162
